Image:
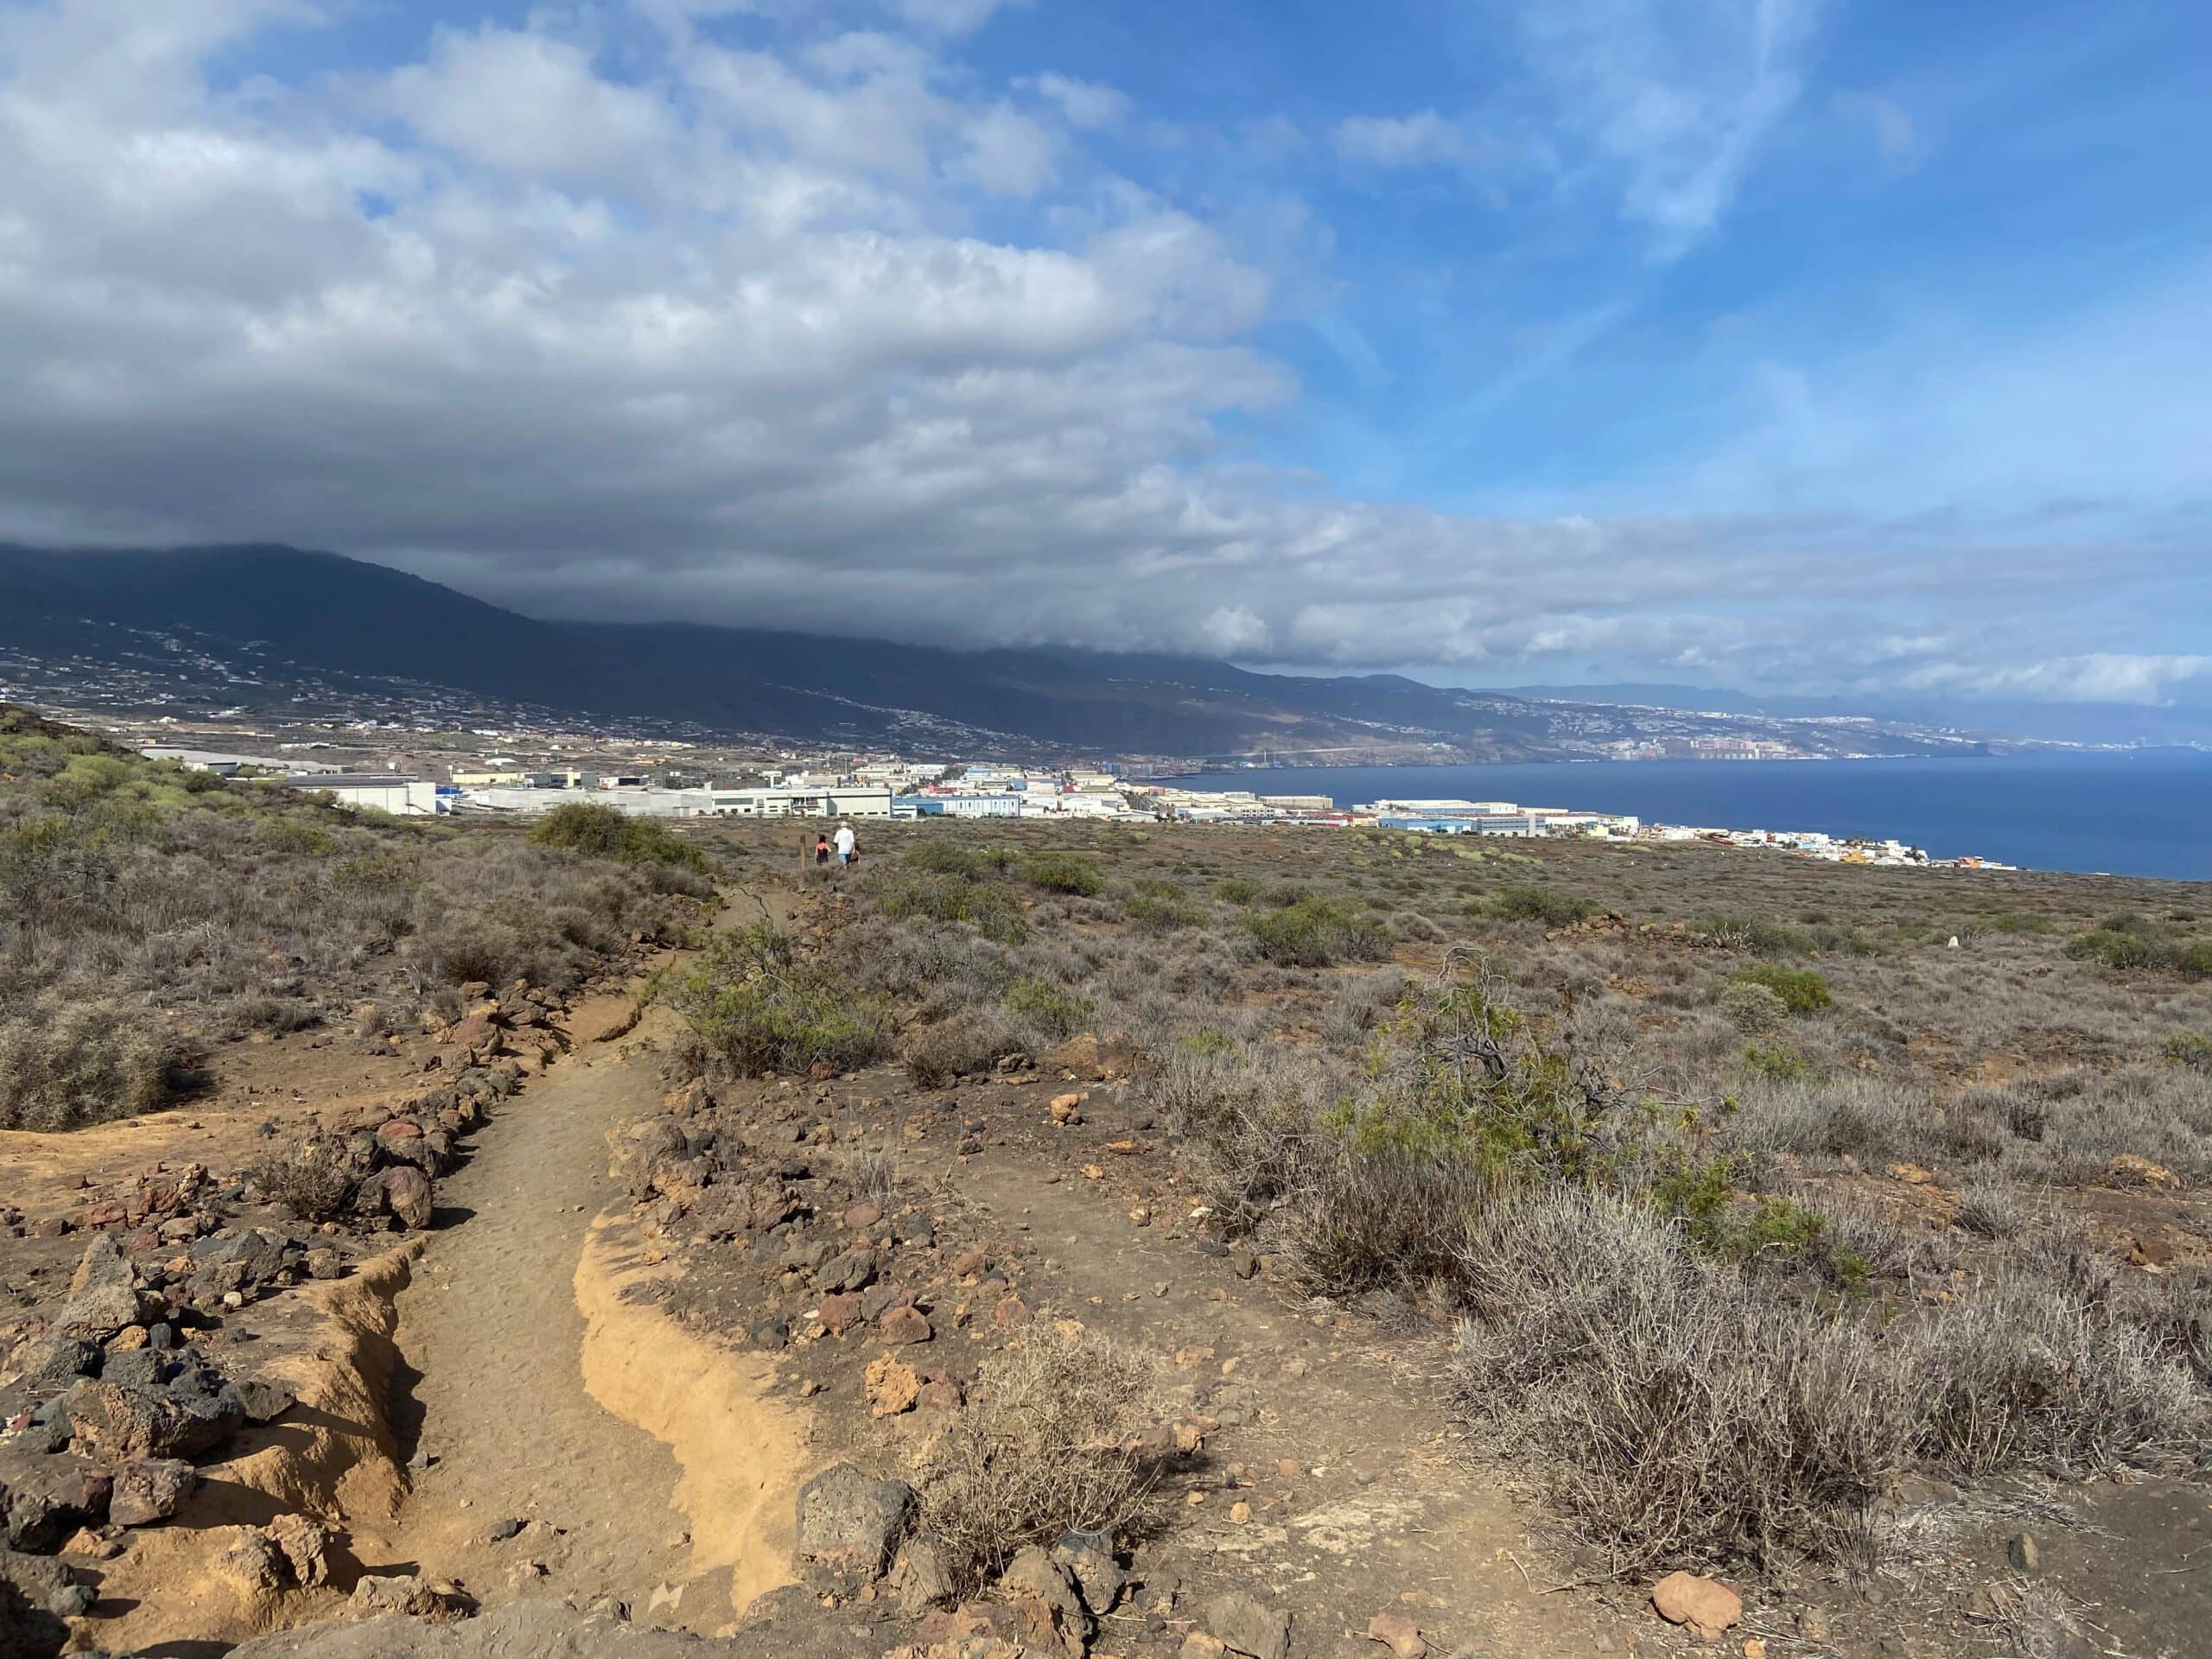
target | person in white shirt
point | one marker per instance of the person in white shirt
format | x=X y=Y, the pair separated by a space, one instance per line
x=847 y=843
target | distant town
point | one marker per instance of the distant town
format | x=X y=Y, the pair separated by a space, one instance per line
x=679 y=779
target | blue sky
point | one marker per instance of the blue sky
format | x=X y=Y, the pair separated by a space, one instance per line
x=1787 y=344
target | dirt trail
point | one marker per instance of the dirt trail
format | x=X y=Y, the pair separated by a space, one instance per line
x=540 y=1384
x=1382 y=1516
x=492 y=1330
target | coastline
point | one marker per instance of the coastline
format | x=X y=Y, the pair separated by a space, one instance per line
x=2138 y=813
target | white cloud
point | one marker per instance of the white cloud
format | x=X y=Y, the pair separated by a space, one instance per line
x=2098 y=676
x=827 y=335
x=528 y=103
x=1009 y=154
x=1086 y=106
x=950 y=17
x=1673 y=101
x=1422 y=139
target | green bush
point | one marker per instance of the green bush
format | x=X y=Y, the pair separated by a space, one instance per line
x=751 y=1005
x=959 y=858
x=1782 y=1063
x=1759 y=935
x=1534 y=904
x=1163 y=912
x=1755 y=1010
x=1053 y=1009
x=2192 y=1049
x=1802 y=990
x=1062 y=872
x=2136 y=945
x=1237 y=890
x=609 y=832
x=1314 y=931
x=987 y=906
x=2110 y=947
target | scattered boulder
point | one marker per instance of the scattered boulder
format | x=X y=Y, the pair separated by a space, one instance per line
x=853 y=1270
x=410 y=1593
x=1705 y=1607
x=44 y=1589
x=407 y=1194
x=902 y=1327
x=148 y=1490
x=117 y=1422
x=1245 y=1625
x=840 y=1313
x=60 y=1360
x=104 y=1295
x=45 y=1498
x=1089 y=1556
x=304 y=1545
x=921 y=1577
x=262 y=1400
x=1044 y=1594
x=892 y=1388
x=849 y=1522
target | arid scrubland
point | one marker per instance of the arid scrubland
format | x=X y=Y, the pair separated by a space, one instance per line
x=1751 y=1185
x=146 y=912
x=1181 y=1240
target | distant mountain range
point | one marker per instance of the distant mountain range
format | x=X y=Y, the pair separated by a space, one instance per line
x=2185 y=721
x=268 y=626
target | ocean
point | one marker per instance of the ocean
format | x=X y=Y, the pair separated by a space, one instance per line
x=2144 y=812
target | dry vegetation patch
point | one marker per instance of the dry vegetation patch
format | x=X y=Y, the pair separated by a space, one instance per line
x=1631 y=1114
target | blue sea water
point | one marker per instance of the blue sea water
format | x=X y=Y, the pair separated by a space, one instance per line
x=2145 y=813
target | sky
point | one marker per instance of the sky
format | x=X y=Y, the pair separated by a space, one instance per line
x=1782 y=345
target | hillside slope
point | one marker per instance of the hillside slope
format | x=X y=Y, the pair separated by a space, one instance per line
x=260 y=623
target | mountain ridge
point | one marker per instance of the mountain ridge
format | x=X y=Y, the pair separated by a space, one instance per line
x=265 y=615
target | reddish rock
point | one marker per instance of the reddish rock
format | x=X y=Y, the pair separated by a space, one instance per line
x=904 y=1325
x=861 y=1217
x=1704 y=1607
x=840 y=1312
x=400 y=1129
x=407 y=1190
x=941 y=1394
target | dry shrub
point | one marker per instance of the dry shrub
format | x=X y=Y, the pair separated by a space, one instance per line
x=1053 y=1441
x=1677 y=1409
x=1993 y=1210
x=2035 y=1374
x=68 y=1061
x=1674 y=1409
x=1245 y=1115
x=1754 y=1010
x=969 y=1039
x=310 y=1179
x=1366 y=1217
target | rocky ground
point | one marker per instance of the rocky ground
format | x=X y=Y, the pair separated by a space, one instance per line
x=591 y=1363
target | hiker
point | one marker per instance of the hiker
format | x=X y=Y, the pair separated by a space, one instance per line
x=821 y=852
x=847 y=845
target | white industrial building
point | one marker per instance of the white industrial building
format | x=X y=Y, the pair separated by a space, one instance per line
x=404 y=798
x=785 y=801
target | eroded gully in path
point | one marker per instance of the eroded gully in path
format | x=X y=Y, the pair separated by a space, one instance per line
x=542 y=1384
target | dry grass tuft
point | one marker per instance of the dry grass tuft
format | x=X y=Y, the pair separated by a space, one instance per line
x=1054 y=1441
